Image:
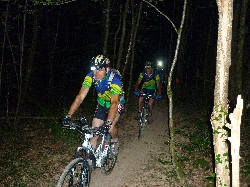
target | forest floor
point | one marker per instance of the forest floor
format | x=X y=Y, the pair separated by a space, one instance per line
x=33 y=157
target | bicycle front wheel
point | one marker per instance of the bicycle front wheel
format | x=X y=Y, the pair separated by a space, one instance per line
x=76 y=174
x=143 y=119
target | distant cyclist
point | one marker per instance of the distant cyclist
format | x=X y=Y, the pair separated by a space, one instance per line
x=108 y=85
x=151 y=85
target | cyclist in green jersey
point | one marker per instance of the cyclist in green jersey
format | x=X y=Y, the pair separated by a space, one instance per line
x=151 y=85
x=108 y=86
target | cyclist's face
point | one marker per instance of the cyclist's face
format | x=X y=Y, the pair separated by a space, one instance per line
x=100 y=74
x=148 y=70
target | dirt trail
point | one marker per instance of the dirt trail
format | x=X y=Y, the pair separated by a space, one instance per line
x=137 y=163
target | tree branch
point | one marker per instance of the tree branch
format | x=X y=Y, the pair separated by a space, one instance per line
x=162 y=14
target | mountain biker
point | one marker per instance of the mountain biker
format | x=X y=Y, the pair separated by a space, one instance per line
x=110 y=98
x=151 y=85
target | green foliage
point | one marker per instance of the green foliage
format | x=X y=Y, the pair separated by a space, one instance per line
x=218 y=159
x=201 y=163
x=199 y=139
x=212 y=176
x=245 y=169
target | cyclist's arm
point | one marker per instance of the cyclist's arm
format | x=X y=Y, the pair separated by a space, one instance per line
x=78 y=100
x=158 y=84
x=137 y=84
x=113 y=107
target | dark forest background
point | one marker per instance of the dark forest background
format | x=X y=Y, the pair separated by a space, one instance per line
x=46 y=49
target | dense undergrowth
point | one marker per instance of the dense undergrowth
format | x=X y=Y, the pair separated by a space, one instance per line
x=32 y=151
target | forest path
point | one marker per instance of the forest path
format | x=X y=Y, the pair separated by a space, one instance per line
x=137 y=163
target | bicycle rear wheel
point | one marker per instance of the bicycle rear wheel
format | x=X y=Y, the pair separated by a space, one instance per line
x=76 y=174
x=109 y=163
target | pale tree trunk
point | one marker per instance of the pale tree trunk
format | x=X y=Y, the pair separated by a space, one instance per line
x=235 y=118
x=170 y=93
x=218 y=117
x=170 y=97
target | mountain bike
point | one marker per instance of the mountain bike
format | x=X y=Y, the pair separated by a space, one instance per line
x=78 y=172
x=144 y=112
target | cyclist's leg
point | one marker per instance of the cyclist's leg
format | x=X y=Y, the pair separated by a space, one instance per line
x=151 y=100
x=140 y=101
x=151 y=104
x=98 y=120
x=140 y=104
x=114 y=131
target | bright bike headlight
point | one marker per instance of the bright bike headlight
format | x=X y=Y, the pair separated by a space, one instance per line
x=92 y=68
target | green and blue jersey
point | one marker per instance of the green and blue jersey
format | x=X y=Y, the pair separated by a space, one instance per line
x=149 y=81
x=104 y=90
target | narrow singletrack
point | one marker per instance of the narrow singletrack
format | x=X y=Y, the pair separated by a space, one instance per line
x=137 y=163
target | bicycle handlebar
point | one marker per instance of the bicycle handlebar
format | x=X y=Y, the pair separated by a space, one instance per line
x=85 y=129
x=81 y=128
x=146 y=95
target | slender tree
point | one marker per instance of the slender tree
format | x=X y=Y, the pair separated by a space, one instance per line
x=3 y=45
x=218 y=117
x=115 y=37
x=131 y=50
x=121 y=46
x=169 y=90
x=21 y=60
x=237 y=73
x=106 y=27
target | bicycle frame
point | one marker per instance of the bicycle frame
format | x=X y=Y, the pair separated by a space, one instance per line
x=78 y=171
x=99 y=154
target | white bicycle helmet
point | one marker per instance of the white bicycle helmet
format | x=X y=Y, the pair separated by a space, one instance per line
x=99 y=62
x=148 y=64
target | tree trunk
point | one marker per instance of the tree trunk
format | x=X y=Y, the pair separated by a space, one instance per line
x=170 y=92
x=106 y=28
x=131 y=37
x=240 y=49
x=29 y=68
x=3 y=45
x=52 y=53
x=136 y=25
x=218 y=117
x=170 y=97
x=206 y=66
x=115 y=38
x=120 y=52
x=21 y=58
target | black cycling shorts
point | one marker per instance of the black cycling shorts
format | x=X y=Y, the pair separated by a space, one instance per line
x=102 y=112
